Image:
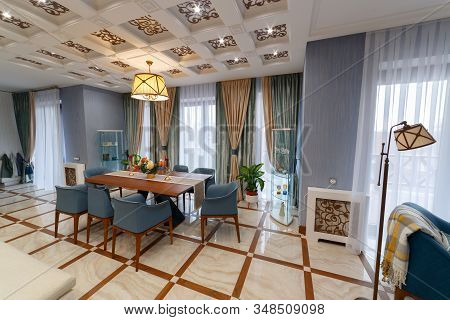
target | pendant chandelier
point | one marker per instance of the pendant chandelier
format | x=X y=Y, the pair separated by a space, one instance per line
x=149 y=86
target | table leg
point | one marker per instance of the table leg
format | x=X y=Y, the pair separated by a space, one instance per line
x=184 y=202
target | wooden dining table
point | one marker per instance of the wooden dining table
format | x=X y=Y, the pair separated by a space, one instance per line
x=156 y=187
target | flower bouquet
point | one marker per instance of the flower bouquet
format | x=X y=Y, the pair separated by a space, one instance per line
x=148 y=167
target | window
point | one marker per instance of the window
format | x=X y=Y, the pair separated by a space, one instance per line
x=198 y=126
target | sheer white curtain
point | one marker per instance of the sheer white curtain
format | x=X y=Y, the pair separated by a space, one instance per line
x=147 y=138
x=48 y=155
x=198 y=126
x=260 y=144
x=406 y=77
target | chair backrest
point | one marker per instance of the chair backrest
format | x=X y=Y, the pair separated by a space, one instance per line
x=99 y=203
x=210 y=171
x=72 y=199
x=95 y=172
x=180 y=168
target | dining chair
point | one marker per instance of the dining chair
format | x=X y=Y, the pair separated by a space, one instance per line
x=209 y=171
x=97 y=171
x=72 y=201
x=180 y=168
x=220 y=202
x=138 y=219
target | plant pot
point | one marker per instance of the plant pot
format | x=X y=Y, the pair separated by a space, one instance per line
x=251 y=196
x=150 y=175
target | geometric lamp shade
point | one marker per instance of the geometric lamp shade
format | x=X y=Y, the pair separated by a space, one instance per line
x=412 y=137
x=149 y=87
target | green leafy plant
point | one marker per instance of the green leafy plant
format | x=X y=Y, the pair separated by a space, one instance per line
x=251 y=175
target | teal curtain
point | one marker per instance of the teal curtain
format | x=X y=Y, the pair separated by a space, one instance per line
x=25 y=121
x=223 y=146
x=286 y=99
x=24 y=111
x=246 y=147
x=174 y=133
x=134 y=110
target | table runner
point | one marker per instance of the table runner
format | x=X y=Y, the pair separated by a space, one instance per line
x=197 y=184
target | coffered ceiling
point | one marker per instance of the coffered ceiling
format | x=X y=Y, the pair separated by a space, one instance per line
x=104 y=43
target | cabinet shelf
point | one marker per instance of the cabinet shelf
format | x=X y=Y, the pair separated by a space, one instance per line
x=283 y=146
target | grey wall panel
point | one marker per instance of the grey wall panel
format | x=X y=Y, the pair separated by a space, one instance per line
x=332 y=84
x=104 y=111
x=84 y=111
x=74 y=125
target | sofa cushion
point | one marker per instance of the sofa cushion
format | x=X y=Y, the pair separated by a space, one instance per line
x=23 y=277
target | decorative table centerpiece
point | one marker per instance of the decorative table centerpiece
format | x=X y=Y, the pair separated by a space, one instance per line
x=148 y=167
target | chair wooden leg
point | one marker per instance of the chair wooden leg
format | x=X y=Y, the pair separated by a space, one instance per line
x=76 y=220
x=88 y=227
x=236 y=223
x=138 y=249
x=202 y=222
x=399 y=294
x=114 y=230
x=171 y=230
x=56 y=222
x=105 y=233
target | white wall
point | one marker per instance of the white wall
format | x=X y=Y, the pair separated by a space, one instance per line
x=9 y=137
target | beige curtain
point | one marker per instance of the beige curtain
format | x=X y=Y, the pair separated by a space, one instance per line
x=163 y=110
x=235 y=98
x=268 y=115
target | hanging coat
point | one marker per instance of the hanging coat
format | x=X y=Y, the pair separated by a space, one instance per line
x=6 y=171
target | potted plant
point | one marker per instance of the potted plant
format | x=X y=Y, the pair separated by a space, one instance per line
x=251 y=176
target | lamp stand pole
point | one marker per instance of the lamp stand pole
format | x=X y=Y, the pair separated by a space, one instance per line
x=383 y=154
x=381 y=224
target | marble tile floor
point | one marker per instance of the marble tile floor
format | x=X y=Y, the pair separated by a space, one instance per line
x=271 y=262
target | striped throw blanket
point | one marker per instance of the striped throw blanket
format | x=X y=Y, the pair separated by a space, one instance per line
x=403 y=222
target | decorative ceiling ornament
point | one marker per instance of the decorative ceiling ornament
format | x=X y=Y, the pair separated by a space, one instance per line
x=276 y=32
x=149 y=25
x=257 y=3
x=77 y=74
x=15 y=21
x=234 y=62
x=196 y=11
x=174 y=71
x=182 y=51
x=77 y=46
x=108 y=82
x=120 y=64
x=127 y=79
x=278 y=55
x=149 y=86
x=108 y=36
x=51 y=54
x=205 y=66
x=30 y=61
x=51 y=7
x=224 y=42
x=97 y=69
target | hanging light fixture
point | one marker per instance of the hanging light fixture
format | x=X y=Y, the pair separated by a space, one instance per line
x=149 y=86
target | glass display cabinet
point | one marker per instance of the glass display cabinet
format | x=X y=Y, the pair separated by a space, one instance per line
x=282 y=184
x=111 y=148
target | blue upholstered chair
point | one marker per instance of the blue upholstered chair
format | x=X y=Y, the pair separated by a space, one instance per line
x=211 y=180
x=429 y=263
x=220 y=202
x=180 y=168
x=99 y=207
x=97 y=171
x=137 y=218
x=72 y=201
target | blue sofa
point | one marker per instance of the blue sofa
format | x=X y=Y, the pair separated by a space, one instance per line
x=428 y=274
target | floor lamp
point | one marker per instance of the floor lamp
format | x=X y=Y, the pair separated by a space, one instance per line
x=407 y=138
